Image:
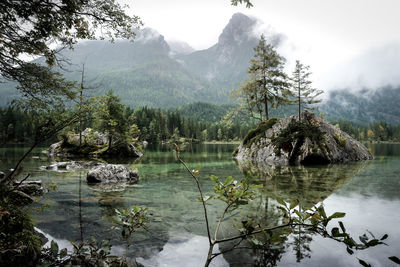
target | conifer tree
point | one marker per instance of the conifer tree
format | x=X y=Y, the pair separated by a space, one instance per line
x=268 y=85
x=111 y=115
x=301 y=87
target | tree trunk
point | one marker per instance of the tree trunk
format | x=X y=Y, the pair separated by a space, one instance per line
x=299 y=103
x=266 y=108
x=109 y=141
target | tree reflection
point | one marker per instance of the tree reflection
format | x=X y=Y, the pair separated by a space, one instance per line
x=310 y=185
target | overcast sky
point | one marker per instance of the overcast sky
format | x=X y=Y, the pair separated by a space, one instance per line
x=325 y=34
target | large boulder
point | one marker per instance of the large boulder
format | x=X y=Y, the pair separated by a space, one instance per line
x=313 y=141
x=126 y=150
x=111 y=173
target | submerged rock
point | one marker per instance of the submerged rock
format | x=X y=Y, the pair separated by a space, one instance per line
x=111 y=173
x=20 y=198
x=32 y=189
x=71 y=165
x=312 y=141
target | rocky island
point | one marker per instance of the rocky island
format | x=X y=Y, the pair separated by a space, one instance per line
x=93 y=144
x=310 y=140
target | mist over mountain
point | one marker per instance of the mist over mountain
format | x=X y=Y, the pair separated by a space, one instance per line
x=158 y=73
x=364 y=106
x=179 y=47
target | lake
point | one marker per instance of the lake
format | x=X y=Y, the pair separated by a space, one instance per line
x=368 y=192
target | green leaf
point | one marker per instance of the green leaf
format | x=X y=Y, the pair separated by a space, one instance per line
x=342 y=226
x=63 y=253
x=363 y=263
x=394 y=259
x=214 y=179
x=337 y=215
x=373 y=243
x=308 y=215
x=335 y=232
x=350 y=242
x=350 y=251
x=294 y=204
x=54 y=248
x=321 y=211
x=384 y=237
x=363 y=238
x=229 y=180
x=280 y=201
x=298 y=214
x=282 y=209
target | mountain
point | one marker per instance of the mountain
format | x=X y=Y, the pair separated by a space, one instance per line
x=180 y=48
x=364 y=106
x=158 y=73
x=224 y=60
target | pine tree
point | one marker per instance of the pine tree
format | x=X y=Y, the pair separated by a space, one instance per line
x=111 y=115
x=268 y=86
x=301 y=85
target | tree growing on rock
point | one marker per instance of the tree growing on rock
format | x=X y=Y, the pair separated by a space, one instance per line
x=301 y=87
x=111 y=117
x=268 y=86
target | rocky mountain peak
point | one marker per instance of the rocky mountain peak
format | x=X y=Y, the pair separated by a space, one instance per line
x=239 y=28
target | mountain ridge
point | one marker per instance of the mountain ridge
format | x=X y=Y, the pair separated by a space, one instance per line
x=153 y=72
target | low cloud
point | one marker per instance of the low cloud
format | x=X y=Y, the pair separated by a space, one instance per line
x=374 y=69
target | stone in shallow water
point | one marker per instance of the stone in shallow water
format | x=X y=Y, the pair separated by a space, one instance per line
x=111 y=173
x=71 y=165
x=20 y=198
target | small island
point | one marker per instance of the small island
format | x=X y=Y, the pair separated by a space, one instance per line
x=310 y=140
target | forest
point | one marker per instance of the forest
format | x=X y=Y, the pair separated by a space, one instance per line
x=158 y=125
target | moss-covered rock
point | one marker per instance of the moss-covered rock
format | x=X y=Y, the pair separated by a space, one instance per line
x=92 y=144
x=312 y=140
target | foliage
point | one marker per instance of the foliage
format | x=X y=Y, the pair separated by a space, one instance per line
x=301 y=87
x=30 y=28
x=236 y=194
x=94 y=253
x=296 y=131
x=247 y=2
x=131 y=220
x=85 y=253
x=16 y=229
x=267 y=86
x=111 y=118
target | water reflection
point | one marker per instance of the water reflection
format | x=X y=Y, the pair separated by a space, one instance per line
x=184 y=249
x=369 y=200
x=310 y=185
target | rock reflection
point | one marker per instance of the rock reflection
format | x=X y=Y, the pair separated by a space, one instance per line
x=310 y=185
